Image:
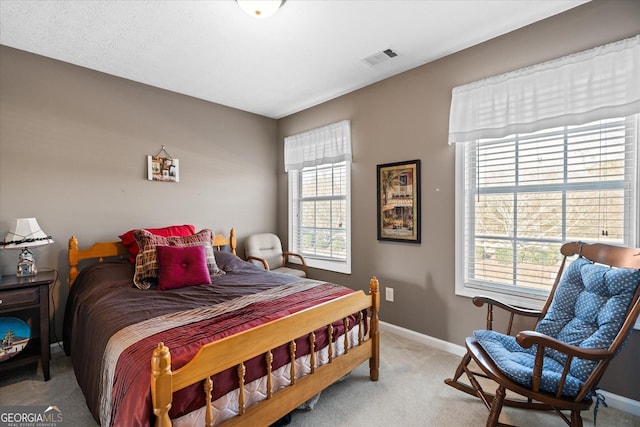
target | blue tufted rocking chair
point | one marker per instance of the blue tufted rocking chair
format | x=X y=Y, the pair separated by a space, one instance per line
x=585 y=322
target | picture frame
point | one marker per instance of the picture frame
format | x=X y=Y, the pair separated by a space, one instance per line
x=399 y=207
x=164 y=169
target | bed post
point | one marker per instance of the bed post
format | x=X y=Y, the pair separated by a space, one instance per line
x=232 y=240
x=161 y=385
x=374 y=332
x=73 y=259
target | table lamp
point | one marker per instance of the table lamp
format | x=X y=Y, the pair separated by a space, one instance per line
x=25 y=233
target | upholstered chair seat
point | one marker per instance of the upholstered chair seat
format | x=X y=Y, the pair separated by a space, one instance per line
x=265 y=249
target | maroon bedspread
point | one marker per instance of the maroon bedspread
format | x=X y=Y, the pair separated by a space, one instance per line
x=103 y=302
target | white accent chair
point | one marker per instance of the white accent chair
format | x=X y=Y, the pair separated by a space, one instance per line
x=266 y=249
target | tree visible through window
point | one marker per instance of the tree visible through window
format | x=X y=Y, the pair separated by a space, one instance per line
x=320 y=214
x=525 y=195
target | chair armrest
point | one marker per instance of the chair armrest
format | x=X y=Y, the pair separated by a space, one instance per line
x=304 y=264
x=262 y=260
x=480 y=301
x=527 y=339
x=513 y=310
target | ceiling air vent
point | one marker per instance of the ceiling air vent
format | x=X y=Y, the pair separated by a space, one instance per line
x=380 y=57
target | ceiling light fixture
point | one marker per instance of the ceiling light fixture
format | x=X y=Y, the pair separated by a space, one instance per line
x=260 y=8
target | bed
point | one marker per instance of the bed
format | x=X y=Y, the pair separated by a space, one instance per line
x=245 y=350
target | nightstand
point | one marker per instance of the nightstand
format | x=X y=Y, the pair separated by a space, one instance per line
x=27 y=298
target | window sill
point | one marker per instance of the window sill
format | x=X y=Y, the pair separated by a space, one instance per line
x=335 y=266
x=534 y=302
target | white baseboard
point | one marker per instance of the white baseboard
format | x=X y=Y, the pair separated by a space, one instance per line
x=622 y=403
x=424 y=339
x=613 y=400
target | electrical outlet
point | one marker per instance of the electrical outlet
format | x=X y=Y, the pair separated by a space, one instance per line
x=389 y=294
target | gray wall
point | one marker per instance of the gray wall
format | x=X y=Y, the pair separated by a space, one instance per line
x=73 y=147
x=406 y=117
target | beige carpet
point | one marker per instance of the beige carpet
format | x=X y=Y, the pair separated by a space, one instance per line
x=410 y=392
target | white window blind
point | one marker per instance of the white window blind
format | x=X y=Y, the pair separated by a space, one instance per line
x=319 y=168
x=320 y=213
x=525 y=195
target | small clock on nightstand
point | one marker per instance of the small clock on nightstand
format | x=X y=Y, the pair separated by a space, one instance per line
x=26 y=264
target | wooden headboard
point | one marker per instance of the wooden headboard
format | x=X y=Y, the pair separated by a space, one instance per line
x=101 y=250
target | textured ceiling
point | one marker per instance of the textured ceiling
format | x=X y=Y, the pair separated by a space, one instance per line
x=309 y=52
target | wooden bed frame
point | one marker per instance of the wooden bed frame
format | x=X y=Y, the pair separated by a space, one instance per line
x=233 y=351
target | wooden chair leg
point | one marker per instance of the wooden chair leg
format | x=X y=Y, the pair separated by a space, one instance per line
x=473 y=388
x=576 y=419
x=496 y=407
x=477 y=387
x=461 y=367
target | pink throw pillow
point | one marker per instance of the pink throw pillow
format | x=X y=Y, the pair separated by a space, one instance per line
x=173 y=230
x=182 y=266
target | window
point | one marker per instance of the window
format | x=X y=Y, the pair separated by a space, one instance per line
x=544 y=155
x=319 y=166
x=524 y=195
x=319 y=215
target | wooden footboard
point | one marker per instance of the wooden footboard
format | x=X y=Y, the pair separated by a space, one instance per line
x=235 y=350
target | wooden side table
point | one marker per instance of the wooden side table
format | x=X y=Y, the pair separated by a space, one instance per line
x=28 y=299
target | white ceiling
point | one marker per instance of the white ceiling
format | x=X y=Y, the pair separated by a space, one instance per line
x=309 y=52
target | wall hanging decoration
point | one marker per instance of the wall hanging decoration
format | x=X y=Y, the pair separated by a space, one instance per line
x=163 y=167
x=399 y=201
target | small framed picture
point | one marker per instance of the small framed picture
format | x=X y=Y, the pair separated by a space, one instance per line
x=399 y=201
x=163 y=169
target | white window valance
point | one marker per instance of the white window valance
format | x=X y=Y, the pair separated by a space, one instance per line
x=327 y=144
x=596 y=84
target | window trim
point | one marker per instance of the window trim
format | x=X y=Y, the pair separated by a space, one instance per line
x=530 y=299
x=337 y=266
x=461 y=288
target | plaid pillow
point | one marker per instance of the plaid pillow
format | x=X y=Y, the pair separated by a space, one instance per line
x=146 y=272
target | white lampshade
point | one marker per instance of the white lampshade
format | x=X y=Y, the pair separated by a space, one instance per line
x=260 y=8
x=25 y=232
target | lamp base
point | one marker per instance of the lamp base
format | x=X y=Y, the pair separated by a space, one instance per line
x=27 y=264
x=21 y=273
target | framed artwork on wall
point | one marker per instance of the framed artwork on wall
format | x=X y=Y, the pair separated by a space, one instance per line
x=163 y=167
x=399 y=201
